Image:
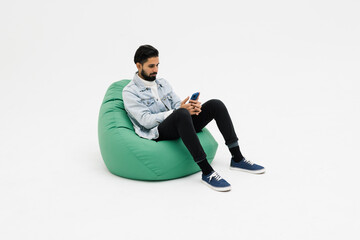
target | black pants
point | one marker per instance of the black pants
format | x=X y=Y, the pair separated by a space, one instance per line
x=181 y=124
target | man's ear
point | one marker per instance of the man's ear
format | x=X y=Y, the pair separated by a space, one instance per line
x=138 y=66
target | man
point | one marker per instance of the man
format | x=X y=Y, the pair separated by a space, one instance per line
x=157 y=113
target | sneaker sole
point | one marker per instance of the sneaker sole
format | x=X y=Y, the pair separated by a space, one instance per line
x=219 y=189
x=260 y=171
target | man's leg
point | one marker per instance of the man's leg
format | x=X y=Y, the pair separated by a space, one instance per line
x=215 y=109
x=180 y=124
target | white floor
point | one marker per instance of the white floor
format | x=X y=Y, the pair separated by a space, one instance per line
x=288 y=72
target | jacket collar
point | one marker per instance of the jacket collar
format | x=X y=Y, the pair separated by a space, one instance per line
x=137 y=80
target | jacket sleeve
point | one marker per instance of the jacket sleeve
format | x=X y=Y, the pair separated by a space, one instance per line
x=138 y=111
x=176 y=101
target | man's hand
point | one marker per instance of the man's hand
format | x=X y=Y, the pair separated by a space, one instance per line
x=194 y=106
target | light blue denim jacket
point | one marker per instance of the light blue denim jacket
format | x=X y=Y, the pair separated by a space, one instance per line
x=142 y=108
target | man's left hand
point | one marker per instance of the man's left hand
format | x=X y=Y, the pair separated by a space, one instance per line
x=196 y=105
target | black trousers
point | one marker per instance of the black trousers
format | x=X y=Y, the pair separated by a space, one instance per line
x=181 y=124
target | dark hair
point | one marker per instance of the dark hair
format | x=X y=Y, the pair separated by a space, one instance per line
x=144 y=52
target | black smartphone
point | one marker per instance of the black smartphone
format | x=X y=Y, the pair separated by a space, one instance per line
x=194 y=96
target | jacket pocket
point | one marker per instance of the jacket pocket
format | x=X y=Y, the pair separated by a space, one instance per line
x=169 y=97
x=150 y=104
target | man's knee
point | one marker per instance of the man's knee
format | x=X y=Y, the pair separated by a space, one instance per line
x=182 y=114
x=216 y=103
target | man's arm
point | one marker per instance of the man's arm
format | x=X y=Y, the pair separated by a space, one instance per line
x=140 y=112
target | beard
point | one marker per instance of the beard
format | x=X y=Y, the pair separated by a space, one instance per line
x=148 y=77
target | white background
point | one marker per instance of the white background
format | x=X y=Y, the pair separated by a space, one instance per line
x=287 y=70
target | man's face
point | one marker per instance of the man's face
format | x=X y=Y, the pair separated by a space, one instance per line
x=149 y=69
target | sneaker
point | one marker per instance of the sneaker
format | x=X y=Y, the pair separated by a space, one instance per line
x=214 y=181
x=246 y=166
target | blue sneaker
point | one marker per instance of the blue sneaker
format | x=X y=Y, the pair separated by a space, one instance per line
x=246 y=166
x=214 y=181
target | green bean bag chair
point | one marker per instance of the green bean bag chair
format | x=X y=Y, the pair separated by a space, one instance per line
x=127 y=155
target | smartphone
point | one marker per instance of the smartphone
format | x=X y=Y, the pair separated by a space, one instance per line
x=194 y=96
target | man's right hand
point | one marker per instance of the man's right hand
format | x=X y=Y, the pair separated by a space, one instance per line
x=188 y=106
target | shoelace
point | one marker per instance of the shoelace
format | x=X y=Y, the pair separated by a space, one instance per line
x=215 y=175
x=248 y=161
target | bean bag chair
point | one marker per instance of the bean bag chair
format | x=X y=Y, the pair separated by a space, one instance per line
x=127 y=155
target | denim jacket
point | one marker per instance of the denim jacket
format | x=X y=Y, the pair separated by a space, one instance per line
x=142 y=108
